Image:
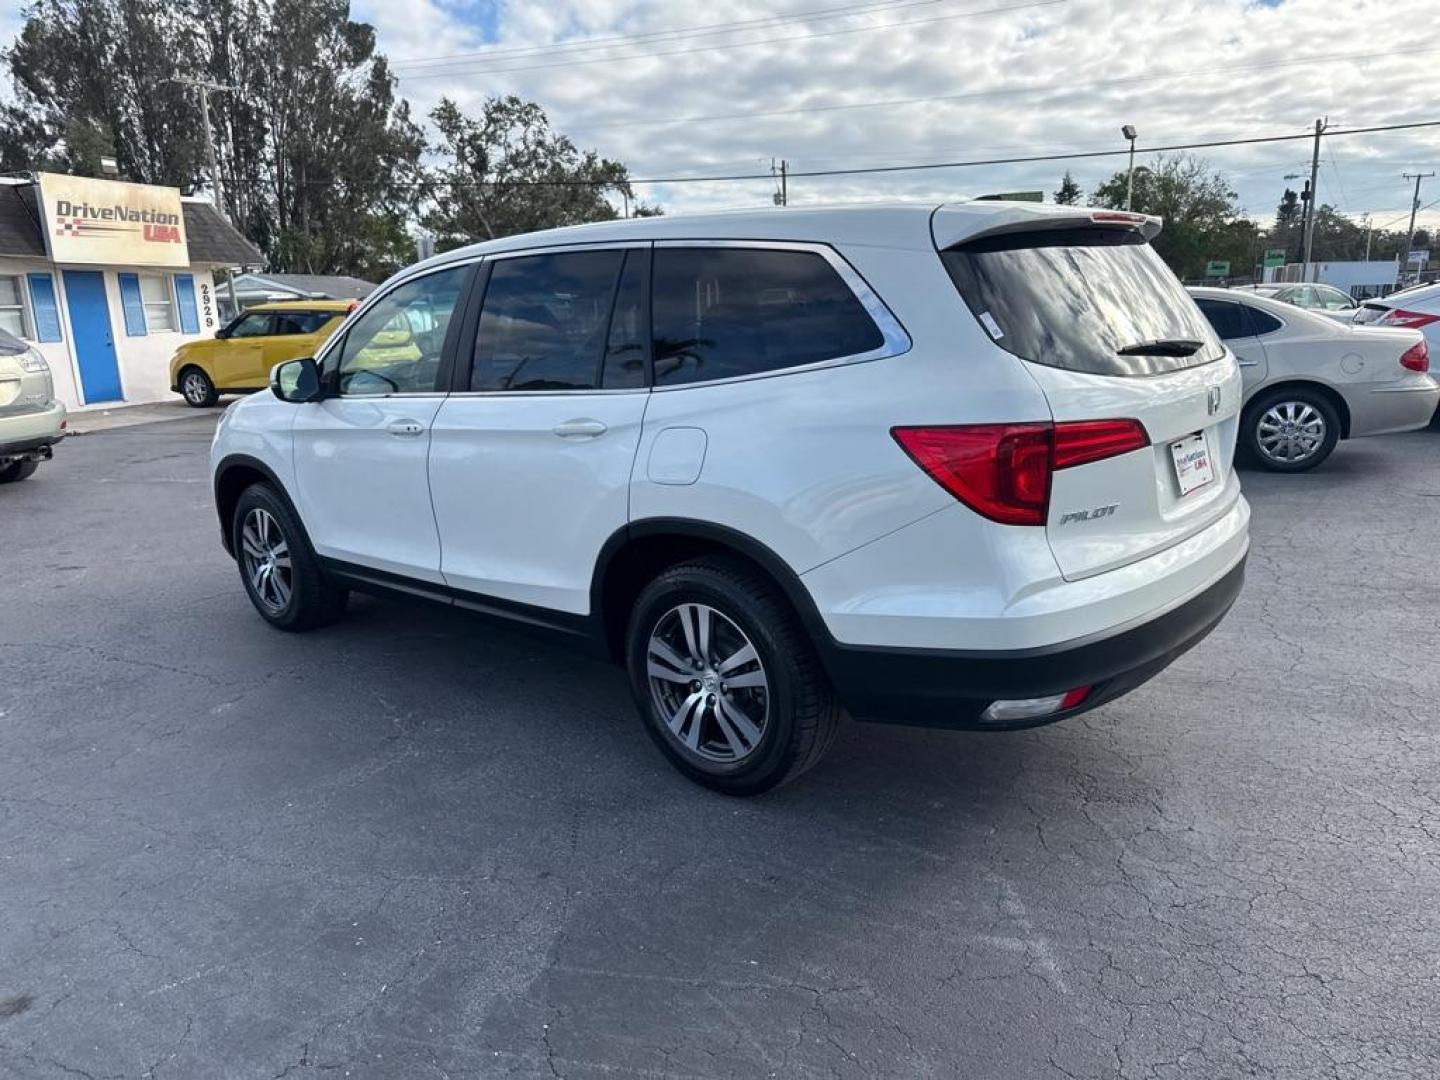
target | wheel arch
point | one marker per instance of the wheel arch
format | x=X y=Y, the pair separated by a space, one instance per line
x=233 y=475
x=1325 y=390
x=636 y=553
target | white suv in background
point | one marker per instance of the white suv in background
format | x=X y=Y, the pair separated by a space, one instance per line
x=962 y=466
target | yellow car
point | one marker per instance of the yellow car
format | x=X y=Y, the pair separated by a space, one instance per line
x=239 y=358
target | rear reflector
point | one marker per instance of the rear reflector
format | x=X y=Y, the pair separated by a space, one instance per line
x=1413 y=320
x=1417 y=357
x=1003 y=470
x=1030 y=708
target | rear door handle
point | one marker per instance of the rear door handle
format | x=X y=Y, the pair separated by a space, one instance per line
x=406 y=429
x=582 y=428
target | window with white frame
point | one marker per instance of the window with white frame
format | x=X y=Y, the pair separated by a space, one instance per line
x=12 y=304
x=159 y=303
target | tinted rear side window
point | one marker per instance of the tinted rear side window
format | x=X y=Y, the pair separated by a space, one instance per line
x=1226 y=316
x=1262 y=322
x=1070 y=298
x=720 y=312
x=543 y=325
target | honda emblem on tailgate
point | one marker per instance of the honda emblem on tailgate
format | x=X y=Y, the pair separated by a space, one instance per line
x=1212 y=401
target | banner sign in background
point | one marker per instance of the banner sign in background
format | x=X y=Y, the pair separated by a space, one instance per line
x=111 y=223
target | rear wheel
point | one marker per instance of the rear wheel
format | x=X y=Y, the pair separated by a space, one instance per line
x=282 y=576
x=726 y=679
x=1291 y=430
x=17 y=471
x=197 y=388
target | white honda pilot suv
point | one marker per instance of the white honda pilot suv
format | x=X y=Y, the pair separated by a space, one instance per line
x=966 y=466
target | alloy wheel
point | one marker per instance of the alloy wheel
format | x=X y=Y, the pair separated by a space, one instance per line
x=195 y=388
x=1290 y=432
x=708 y=683
x=266 y=555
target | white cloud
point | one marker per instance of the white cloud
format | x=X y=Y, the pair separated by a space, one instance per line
x=1080 y=52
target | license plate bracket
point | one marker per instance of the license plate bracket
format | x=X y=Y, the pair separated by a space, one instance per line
x=1194 y=466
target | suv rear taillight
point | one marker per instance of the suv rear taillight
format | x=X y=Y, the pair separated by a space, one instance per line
x=1003 y=470
x=1417 y=357
x=1412 y=320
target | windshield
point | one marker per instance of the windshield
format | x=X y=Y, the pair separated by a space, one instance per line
x=1073 y=298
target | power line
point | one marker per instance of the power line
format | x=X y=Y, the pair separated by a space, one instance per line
x=875 y=169
x=706 y=30
x=737 y=44
x=977 y=95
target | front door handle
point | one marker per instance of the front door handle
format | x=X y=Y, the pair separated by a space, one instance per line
x=582 y=428
x=405 y=429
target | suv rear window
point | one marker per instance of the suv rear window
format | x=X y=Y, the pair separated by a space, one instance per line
x=719 y=312
x=1070 y=298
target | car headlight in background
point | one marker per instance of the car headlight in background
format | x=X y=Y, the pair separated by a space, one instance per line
x=31 y=360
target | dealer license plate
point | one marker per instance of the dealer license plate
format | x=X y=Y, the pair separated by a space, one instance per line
x=1194 y=467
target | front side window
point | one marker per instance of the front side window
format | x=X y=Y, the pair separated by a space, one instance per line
x=545 y=320
x=12 y=304
x=159 y=310
x=722 y=312
x=255 y=324
x=395 y=347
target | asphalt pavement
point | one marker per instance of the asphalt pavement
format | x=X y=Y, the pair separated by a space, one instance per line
x=416 y=845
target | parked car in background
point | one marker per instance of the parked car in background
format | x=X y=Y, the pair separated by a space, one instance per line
x=964 y=466
x=31 y=420
x=1310 y=381
x=239 y=358
x=1312 y=296
x=1416 y=308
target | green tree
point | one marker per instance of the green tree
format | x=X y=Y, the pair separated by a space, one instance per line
x=1069 y=192
x=1202 y=218
x=507 y=171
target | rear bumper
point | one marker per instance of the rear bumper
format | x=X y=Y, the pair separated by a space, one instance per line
x=1401 y=406
x=31 y=432
x=952 y=688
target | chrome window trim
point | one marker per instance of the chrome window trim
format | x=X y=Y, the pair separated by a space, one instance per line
x=896 y=340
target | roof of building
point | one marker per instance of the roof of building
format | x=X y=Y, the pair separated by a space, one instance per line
x=315 y=286
x=209 y=237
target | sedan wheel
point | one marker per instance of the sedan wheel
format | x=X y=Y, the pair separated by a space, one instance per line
x=197 y=389
x=1291 y=430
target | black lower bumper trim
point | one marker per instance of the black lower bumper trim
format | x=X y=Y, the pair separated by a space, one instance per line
x=940 y=688
x=30 y=447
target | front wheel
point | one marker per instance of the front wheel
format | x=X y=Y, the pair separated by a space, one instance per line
x=17 y=471
x=282 y=576
x=726 y=679
x=198 y=389
x=1291 y=430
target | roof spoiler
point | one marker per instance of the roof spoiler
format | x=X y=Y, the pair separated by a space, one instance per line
x=1147 y=225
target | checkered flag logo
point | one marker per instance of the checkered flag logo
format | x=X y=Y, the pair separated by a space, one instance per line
x=67 y=227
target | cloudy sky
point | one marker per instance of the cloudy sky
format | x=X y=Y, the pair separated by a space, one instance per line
x=696 y=89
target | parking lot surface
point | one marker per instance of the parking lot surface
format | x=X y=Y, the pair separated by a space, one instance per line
x=415 y=845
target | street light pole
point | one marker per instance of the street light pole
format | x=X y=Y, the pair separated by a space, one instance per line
x=1128 y=131
x=204 y=86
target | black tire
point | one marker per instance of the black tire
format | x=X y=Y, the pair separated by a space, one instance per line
x=17 y=471
x=1275 y=406
x=311 y=599
x=197 y=388
x=799 y=712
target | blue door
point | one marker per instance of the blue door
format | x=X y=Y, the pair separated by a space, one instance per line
x=94 y=340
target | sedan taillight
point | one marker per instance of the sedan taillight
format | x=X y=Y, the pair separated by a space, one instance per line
x=1417 y=357
x=1412 y=320
x=1003 y=470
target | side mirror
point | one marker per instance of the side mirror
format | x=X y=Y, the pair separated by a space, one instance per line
x=296 y=381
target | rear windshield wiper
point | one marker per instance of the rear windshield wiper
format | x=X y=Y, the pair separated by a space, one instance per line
x=1162 y=347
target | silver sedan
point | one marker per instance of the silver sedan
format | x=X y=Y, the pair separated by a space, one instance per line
x=1311 y=381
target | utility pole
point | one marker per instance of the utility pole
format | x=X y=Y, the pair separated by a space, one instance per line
x=1369 y=228
x=1309 y=234
x=1414 y=208
x=1128 y=131
x=782 y=195
x=204 y=86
